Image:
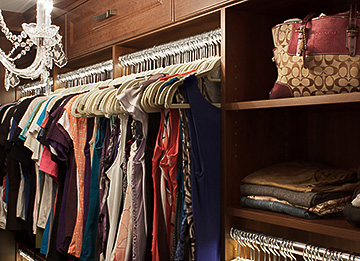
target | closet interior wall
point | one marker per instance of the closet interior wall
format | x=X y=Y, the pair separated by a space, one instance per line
x=185 y=28
x=256 y=131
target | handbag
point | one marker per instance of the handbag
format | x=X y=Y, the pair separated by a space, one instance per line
x=317 y=55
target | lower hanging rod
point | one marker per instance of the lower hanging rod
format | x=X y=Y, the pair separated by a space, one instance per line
x=287 y=248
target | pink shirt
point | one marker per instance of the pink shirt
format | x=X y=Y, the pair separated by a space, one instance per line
x=47 y=165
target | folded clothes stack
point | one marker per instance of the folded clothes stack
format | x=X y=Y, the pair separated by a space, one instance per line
x=298 y=188
x=352 y=211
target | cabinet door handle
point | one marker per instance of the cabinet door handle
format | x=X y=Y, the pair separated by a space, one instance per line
x=104 y=16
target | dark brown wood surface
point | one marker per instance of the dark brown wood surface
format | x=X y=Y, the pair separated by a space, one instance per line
x=258 y=132
x=186 y=8
x=132 y=18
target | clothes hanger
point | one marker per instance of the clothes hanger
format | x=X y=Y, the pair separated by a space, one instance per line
x=214 y=63
x=146 y=97
x=157 y=92
x=74 y=107
x=93 y=100
x=161 y=90
x=105 y=100
x=115 y=107
x=154 y=96
x=204 y=68
x=162 y=97
x=149 y=96
x=78 y=108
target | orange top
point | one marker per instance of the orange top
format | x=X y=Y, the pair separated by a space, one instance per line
x=78 y=127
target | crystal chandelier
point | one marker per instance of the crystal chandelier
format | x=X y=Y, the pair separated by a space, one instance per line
x=43 y=36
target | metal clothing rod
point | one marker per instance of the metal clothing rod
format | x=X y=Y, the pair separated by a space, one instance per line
x=186 y=50
x=34 y=88
x=287 y=248
x=89 y=74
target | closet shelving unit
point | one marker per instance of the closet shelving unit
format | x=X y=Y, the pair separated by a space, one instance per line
x=258 y=132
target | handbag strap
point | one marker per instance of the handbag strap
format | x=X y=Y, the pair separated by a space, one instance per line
x=352 y=30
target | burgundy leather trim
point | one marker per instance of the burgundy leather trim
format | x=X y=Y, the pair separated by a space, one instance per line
x=325 y=36
x=280 y=90
x=352 y=31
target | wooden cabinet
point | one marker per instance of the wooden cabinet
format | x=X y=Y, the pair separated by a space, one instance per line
x=258 y=132
x=185 y=8
x=132 y=18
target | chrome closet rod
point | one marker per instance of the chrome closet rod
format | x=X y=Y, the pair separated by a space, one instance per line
x=89 y=74
x=181 y=51
x=300 y=248
x=307 y=251
x=34 y=88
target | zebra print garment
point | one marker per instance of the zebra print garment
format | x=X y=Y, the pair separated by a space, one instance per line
x=187 y=227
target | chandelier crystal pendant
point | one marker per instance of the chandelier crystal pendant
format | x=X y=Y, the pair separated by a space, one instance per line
x=43 y=36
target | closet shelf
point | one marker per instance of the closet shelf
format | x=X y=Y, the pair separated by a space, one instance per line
x=334 y=227
x=329 y=99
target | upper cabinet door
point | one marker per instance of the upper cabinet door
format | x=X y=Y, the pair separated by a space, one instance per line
x=187 y=8
x=133 y=17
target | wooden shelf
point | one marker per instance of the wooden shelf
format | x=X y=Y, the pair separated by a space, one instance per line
x=334 y=227
x=330 y=99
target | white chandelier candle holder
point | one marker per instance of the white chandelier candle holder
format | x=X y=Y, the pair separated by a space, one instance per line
x=41 y=35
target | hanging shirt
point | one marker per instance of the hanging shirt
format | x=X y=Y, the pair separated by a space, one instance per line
x=34 y=113
x=130 y=101
x=90 y=232
x=15 y=155
x=87 y=170
x=58 y=139
x=187 y=222
x=76 y=128
x=122 y=248
x=107 y=158
x=115 y=196
x=165 y=184
x=169 y=169
x=205 y=133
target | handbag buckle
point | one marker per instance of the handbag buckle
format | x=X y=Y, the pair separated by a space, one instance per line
x=352 y=30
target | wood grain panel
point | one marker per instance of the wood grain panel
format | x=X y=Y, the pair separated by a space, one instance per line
x=60 y=7
x=117 y=51
x=258 y=132
x=256 y=139
x=132 y=18
x=250 y=72
x=13 y=21
x=61 y=22
x=175 y=31
x=187 y=8
x=337 y=99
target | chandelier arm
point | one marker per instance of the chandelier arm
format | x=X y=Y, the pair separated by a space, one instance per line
x=44 y=36
x=31 y=72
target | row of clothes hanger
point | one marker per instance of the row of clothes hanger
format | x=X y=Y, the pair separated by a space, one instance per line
x=185 y=50
x=101 y=99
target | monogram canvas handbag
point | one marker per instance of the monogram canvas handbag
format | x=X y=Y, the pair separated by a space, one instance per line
x=317 y=55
